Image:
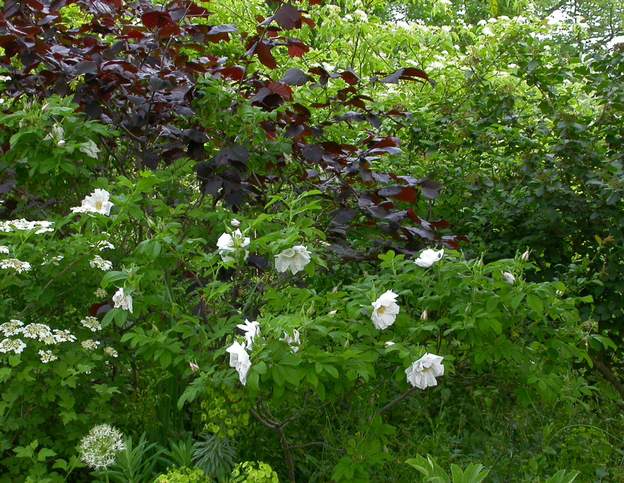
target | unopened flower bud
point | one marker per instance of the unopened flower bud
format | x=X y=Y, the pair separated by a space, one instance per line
x=424 y=315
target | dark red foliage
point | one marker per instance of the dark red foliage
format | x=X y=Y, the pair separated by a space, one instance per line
x=144 y=85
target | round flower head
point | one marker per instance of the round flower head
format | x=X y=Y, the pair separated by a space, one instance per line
x=422 y=373
x=99 y=448
x=96 y=202
x=239 y=360
x=294 y=259
x=385 y=310
x=428 y=257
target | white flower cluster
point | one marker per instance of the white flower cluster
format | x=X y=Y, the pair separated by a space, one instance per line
x=4 y=250
x=90 y=344
x=111 y=352
x=12 y=345
x=38 y=227
x=47 y=356
x=40 y=332
x=12 y=327
x=15 y=264
x=91 y=323
x=251 y=330
x=99 y=448
x=104 y=245
x=102 y=264
x=97 y=202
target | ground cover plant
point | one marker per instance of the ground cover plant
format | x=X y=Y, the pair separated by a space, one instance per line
x=310 y=241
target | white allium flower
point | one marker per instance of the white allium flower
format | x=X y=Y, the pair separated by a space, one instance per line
x=12 y=345
x=99 y=448
x=4 y=250
x=294 y=259
x=228 y=244
x=252 y=330
x=91 y=323
x=37 y=331
x=428 y=257
x=100 y=293
x=293 y=341
x=110 y=351
x=90 y=344
x=235 y=223
x=239 y=360
x=96 y=202
x=47 y=356
x=509 y=278
x=122 y=300
x=385 y=310
x=90 y=149
x=525 y=256
x=99 y=262
x=15 y=264
x=422 y=373
x=12 y=327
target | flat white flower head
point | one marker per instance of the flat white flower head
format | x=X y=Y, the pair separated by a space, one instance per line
x=293 y=341
x=100 y=263
x=122 y=300
x=99 y=448
x=47 y=356
x=229 y=244
x=509 y=278
x=294 y=259
x=12 y=327
x=239 y=360
x=96 y=202
x=428 y=257
x=251 y=330
x=385 y=310
x=91 y=323
x=14 y=264
x=16 y=346
x=110 y=351
x=422 y=373
x=90 y=344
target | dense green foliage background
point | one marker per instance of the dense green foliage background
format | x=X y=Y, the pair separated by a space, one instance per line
x=515 y=142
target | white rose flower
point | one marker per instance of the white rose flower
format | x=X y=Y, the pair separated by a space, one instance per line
x=509 y=278
x=228 y=244
x=96 y=202
x=294 y=259
x=293 y=341
x=422 y=373
x=239 y=360
x=252 y=330
x=122 y=300
x=428 y=257
x=385 y=310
